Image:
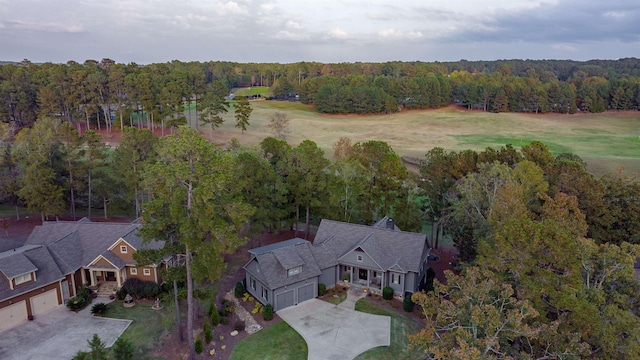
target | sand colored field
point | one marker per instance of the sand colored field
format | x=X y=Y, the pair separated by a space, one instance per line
x=604 y=140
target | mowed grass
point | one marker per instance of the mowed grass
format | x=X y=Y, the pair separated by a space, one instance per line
x=146 y=328
x=276 y=342
x=605 y=140
x=255 y=90
x=401 y=326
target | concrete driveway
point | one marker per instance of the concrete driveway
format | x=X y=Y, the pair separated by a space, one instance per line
x=337 y=331
x=58 y=335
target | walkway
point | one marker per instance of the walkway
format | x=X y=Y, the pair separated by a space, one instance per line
x=337 y=331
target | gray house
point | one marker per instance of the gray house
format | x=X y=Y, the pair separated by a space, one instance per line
x=287 y=273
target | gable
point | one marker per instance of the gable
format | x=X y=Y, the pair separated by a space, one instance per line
x=123 y=250
x=102 y=261
x=359 y=257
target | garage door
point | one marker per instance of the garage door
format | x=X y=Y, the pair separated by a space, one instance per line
x=284 y=300
x=13 y=315
x=306 y=292
x=44 y=302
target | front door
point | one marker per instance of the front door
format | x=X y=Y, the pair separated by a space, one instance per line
x=363 y=274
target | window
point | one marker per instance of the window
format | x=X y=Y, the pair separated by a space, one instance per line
x=395 y=278
x=347 y=268
x=294 y=271
x=146 y=272
x=265 y=294
x=377 y=274
x=252 y=283
x=23 y=278
x=123 y=249
x=359 y=258
x=133 y=271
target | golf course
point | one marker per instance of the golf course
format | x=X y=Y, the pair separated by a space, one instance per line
x=604 y=140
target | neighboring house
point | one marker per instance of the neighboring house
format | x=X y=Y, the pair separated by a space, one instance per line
x=288 y=272
x=59 y=258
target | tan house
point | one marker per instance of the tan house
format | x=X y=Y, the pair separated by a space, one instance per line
x=60 y=257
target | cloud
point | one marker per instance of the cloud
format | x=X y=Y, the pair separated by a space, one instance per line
x=231 y=8
x=47 y=27
x=337 y=33
x=293 y=25
x=288 y=35
x=399 y=34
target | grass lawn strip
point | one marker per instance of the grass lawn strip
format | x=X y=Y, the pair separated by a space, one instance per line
x=401 y=326
x=278 y=341
x=146 y=328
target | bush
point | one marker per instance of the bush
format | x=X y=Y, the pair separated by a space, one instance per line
x=229 y=306
x=431 y=274
x=80 y=301
x=199 y=346
x=214 y=314
x=408 y=304
x=224 y=320
x=239 y=290
x=267 y=312
x=208 y=334
x=121 y=294
x=99 y=309
x=141 y=289
x=239 y=325
x=387 y=293
x=322 y=289
x=123 y=350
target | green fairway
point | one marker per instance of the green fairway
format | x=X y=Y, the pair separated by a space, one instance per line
x=604 y=141
x=255 y=90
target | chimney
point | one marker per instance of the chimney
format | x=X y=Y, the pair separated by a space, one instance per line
x=390 y=224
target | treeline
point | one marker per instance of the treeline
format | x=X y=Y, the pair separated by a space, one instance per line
x=105 y=93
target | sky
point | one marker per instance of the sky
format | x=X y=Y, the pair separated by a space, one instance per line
x=327 y=31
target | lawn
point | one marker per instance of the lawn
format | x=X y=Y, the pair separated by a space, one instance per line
x=604 y=141
x=278 y=341
x=146 y=328
x=254 y=90
x=401 y=326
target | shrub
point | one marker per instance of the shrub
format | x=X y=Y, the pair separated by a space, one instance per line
x=123 y=349
x=229 y=306
x=208 y=334
x=431 y=274
x=199 y=346
x=99 y=309
x=239 y=291
x=387 y=293
x=141 y=289
x=80 y=301
x=322 y=289
x=214 y=315
x=224 y=320
x=407 y=304
x=121 y=294
x=239 y=325
x=267 y=312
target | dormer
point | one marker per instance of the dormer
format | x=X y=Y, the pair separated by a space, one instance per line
x=17 y=268
x=122 y=249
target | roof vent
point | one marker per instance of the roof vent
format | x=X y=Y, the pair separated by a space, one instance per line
x=390 y=224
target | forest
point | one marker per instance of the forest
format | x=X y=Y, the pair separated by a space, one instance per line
x=547 y=250
x=104 y=92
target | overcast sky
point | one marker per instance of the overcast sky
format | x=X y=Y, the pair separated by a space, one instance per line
x=285 y=31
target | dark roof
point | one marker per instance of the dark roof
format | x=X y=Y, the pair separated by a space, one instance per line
x=46 y=271
x=91 y=239
x=385 y=246
x=271 y=270
x=15 y=263
x=278 y=245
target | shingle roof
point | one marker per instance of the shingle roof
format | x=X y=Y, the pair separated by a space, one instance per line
x=16 y=265
x=93 y=238
x=47 y=272
x=386 y=247
x=278 y=245
x=274 y=274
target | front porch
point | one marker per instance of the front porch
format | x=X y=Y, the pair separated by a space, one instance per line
x=96 y=277
x=361 y=278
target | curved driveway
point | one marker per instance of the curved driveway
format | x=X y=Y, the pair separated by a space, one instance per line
x=337 y=331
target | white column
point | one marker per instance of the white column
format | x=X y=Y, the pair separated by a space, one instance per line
x=118 y=279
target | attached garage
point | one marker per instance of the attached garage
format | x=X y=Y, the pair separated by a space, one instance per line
x=284 y=300
x=13 y=315
x=306 y=292
x=44 y=302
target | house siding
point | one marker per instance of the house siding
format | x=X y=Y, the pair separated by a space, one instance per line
x=328 y=277
x=128 y=256
x=27 y=296
x=351 y=258
x=397 y=288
